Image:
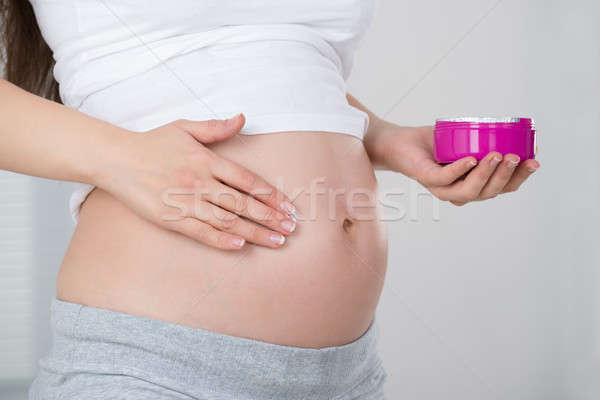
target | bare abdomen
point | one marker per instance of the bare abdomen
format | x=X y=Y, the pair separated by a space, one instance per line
x=321 y=289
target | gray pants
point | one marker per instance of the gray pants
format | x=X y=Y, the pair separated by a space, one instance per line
x=101 y=354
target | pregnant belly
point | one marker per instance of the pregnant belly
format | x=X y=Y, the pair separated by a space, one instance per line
x=321 y=289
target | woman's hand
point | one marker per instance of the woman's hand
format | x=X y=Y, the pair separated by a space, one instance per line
x=410 y=152
x=167 y=176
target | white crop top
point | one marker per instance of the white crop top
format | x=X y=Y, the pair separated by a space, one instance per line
x=142 y=64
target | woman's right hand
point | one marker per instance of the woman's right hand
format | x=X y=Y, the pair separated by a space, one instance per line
x=169 y=177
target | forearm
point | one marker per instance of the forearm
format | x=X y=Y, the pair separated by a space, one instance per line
x=46 y=139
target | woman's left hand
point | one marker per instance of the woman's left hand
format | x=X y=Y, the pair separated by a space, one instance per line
x=410 y=151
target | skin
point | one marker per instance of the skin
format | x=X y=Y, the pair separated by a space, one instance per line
x=218 y=262
x=320 y=288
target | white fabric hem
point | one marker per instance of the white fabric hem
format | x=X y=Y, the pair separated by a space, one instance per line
x=275 y=123
x=77 y=198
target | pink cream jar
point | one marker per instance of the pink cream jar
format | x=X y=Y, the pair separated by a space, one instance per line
x=456 y=138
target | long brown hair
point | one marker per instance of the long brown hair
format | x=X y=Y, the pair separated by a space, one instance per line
x=27 y=59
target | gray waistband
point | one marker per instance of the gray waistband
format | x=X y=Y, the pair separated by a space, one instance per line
x=96 y=340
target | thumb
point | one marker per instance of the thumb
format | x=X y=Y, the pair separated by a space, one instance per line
x=214 y=130
x=436 y=175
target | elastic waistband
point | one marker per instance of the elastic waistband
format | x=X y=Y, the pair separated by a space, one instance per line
x=198 y=361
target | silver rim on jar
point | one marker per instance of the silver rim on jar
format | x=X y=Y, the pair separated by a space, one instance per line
x=486 y=120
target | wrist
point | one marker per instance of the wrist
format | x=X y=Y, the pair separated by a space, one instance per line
x=376 y=141
x=109 y=157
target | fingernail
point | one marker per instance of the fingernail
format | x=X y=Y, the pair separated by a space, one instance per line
x=533 y=169
x=513 y=163
x=473 y=162
x=288 y=226
x=237 y=242
x=290 y=209
x=294 y=217
x=495 y=160
x=277 y=238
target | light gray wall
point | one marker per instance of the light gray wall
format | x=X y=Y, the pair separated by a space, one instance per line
x=495 y=300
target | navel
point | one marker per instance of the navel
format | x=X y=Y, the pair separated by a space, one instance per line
x=348 y=225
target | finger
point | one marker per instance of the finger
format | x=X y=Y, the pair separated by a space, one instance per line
x=523 y=172
x=470 y=188
x=236 y=176
x=213 y=130
x=204 y=233
x=436 y=175
x=500 y=177
x=478 y=177
x=226 y=221
x=250 y=208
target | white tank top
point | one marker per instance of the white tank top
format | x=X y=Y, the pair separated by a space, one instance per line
x=142 y=64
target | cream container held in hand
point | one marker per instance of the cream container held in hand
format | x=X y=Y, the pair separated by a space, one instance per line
x=455 y=138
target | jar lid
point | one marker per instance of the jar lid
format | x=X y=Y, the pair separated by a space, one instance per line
x=488 y=120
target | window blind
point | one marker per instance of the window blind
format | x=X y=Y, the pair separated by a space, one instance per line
x=16 y=277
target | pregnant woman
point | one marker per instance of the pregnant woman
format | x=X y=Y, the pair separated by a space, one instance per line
x=228 y=243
